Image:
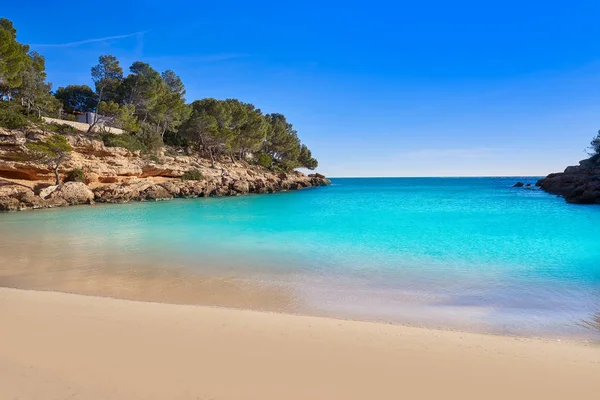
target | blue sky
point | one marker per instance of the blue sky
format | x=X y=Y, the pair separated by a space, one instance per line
x=378 y=88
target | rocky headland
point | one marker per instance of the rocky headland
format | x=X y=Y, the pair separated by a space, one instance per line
x=118 y=175
x=578 y=184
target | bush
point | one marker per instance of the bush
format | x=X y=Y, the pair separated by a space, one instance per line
x=11 y=115
x=124 y=140
x=265 y=160
x=75 y=175
x=69 y=117
x=193 y=175
x=175 y=139
x=150 y=136
x=153 y=157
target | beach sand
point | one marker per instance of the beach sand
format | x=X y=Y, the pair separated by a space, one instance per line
x=59 y=346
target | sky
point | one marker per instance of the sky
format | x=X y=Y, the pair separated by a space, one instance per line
x=378 y=88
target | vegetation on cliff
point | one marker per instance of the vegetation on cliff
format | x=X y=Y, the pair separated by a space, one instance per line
x=595 y=146
x=150 y=106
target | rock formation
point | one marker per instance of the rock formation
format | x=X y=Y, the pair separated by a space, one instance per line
x=116 y=175
x=577 y=184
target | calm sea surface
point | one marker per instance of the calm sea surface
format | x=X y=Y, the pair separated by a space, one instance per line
x=457 y=253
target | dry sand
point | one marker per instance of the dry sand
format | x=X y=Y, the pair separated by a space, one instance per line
x=64 y=346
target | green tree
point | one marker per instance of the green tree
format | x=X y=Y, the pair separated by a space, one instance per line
x=54 y=151
x=170 y=110
x=305 y=159
x=77 y=98
x=120 y=116
x=150 y=136
x=141 y=88
x=13 y=58
x=34 y=92
x=282 y=142
x=209 y=127
x=251 y=132
x=107 y=76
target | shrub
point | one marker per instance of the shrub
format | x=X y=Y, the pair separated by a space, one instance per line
x=63 y=129
x=75 y=175
x=264 y=160
x=153 y=157
x=175 y=139
x=124 y=140
x=11 y=115
x=150 y=136
x=69 y=117
x=193 y=175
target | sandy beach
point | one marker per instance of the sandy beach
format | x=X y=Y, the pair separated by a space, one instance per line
x=58 y=346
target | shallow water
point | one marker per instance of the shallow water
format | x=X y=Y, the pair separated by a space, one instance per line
x=459 y=253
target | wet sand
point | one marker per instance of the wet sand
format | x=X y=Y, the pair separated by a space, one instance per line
x=56 y=346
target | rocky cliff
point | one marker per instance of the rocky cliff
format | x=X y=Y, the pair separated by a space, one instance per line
x=577 y=184
x=115 y=174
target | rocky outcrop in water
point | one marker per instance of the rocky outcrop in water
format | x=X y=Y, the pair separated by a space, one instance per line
x=117 y=175
x=577 y=184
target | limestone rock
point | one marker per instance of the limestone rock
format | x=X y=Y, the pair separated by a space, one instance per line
x=74 y=193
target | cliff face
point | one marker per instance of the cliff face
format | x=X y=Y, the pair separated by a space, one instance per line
x=577 y=184
x=115 y=174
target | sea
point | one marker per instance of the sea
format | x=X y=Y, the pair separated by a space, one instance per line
x=468 y=254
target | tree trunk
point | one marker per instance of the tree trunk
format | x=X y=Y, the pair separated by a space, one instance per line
x=232 y=158
x=212 y=158
x=93 y=124
x=56 y=175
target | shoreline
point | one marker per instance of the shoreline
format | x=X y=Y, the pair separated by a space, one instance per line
x=93 y=347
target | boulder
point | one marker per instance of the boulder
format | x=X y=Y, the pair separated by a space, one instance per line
x=47 y=191
x=156 y=193
x=74 y=193
x=519 y=184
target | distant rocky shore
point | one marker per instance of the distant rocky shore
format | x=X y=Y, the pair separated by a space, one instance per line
x=117 y=175
x=578 y=184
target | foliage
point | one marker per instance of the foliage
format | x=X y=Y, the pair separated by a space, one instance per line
x=175 y=139
x=264 y=160
x=595 y=145
x=150 y=136
x=193 y=175
x=13 y=58
x=54 y=151
x=125 y=140
x=62 y=128
x=77 y=98
x=151 y=107
x=34 y=91
x=306 y=159
x=75 y=175
x=119 y=116
x=11 y=115
x=154 y=158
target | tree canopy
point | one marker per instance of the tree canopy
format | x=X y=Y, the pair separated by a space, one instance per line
x=151 y=105
x=77 y=98
x=595 y=145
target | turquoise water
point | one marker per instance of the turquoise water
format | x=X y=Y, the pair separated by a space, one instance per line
x=459 y=253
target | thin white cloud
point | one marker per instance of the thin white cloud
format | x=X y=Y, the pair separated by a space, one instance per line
x=86 y=41
x=452 y=153
x=207 y=58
